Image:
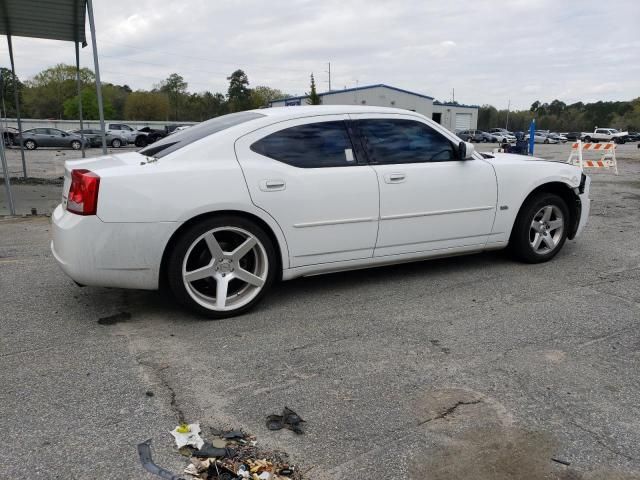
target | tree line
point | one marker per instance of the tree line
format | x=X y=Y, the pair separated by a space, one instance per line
x=52 y=93
x=559 y=117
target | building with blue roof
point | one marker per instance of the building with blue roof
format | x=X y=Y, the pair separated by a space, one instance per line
x=451 y=115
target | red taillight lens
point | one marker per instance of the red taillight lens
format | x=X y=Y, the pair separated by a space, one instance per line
x=83 y=193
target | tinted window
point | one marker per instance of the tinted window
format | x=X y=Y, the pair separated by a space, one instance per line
x=404 y=141
x=114 y=126
x=322 y=144
x=185 y=137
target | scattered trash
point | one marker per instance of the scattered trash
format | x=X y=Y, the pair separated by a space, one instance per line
x=232 y=455
x=188 y=434
x=289 y=419
x=559 y=460
x=113 y=319
x=149 y=393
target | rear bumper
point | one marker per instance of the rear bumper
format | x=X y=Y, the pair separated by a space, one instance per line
x=95 y=253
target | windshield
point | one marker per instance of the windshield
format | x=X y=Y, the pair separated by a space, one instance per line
x=185 y=137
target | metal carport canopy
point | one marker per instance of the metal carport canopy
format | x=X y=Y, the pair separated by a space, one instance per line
x=51 y=19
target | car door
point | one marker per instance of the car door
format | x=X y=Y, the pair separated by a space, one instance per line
x=57 y=138
x=429 y=199
x=306 y=174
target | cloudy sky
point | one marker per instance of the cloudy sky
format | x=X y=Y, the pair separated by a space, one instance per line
x=490 y=51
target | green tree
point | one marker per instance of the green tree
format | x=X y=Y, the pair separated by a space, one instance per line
x=239 y=93
x=116 y=95
x=89 y=106
x=46 y=93
x=175 y=87
x=261 y=96
x=314 y=98
x=146 y=106
x=8 y=92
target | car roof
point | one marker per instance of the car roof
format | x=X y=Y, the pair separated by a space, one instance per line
x=310 y=110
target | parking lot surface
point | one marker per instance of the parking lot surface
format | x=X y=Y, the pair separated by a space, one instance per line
x=470 y=367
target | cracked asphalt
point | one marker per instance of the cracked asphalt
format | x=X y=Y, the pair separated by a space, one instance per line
x=471 y=367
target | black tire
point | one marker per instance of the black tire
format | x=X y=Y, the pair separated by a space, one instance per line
x=141 y=141
x=546 y=140
x=519 y=243
x=30 y=144
x=181 y=247
x=587 y=139
x=116 y=143
x=76 y=145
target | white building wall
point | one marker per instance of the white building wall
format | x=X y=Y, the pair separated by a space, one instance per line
x=448 y=115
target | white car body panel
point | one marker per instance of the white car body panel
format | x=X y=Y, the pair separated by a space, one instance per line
x=327 y=214
x=325 y=219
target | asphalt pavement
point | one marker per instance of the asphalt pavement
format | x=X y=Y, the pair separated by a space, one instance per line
x=471 y=367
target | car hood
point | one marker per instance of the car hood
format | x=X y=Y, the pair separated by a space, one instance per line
x=534 y=166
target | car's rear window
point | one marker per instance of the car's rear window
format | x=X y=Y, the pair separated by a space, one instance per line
x=180 y=139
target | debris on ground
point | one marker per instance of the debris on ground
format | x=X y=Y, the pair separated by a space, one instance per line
x=231 y=455
x=188 y=435
x=289 y=419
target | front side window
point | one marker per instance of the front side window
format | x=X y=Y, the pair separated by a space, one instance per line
x=114 y=126
x=404 y=141
x=315 y=145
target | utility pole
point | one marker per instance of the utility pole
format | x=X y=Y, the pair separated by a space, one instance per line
x=453 y=95
x=329 y=72
x=506 y=127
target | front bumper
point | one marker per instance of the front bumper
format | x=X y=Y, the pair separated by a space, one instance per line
x=585 y=203
x=96 y=253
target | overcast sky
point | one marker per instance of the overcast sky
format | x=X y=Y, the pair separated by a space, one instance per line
x=490 y=51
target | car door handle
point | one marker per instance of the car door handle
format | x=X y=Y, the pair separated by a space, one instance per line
x=272 y=185
x=395 y=177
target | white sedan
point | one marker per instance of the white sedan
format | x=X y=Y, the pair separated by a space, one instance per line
x=218 y=212
x=541 y=138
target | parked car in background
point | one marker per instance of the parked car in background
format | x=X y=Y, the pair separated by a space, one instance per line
x=606 y=135
x=541 y=138
x=171 y=128
x=573 y=136
x=94 y=137
x=153 y=134
x=501 y=137
x=633 y=137
x=556 y=136
x=489 y=138
x=137 y=137
x=470 y=135
x=49 y=137
x=219 y=233
x=501 y=130
x=8 y=135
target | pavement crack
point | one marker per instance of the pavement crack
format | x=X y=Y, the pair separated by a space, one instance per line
x=158 y=371
x=598 y=438
x=448 y=411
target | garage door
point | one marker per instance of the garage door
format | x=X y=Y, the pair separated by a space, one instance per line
x=463 y=121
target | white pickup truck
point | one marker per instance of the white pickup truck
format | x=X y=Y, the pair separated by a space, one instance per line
x=605 y=135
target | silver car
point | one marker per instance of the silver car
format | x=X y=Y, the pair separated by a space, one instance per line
x=50 y=137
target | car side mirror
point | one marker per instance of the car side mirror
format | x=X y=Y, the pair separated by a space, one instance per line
x=465 y=150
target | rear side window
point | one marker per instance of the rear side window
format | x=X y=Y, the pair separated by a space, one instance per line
x=185 y=137
x=390 y=141
x=315 y=145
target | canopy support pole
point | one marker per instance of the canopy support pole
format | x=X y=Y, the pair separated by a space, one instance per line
x=92 y=27
x=77 y=45
x=7 y=178
x=17 y=100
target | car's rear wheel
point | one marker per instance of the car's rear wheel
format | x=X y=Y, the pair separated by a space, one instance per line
x=76 y=145
x=587 y=139
x=540 y=229
x=30 y=145
x=116 y=143
x=141 y=141
x=222 y=266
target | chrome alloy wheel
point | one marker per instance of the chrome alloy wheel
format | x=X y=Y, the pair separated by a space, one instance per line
x=225 y=268
x=546 y=229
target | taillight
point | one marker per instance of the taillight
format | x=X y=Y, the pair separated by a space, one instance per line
x=83 y=193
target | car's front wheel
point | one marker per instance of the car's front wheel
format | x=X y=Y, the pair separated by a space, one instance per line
x=76 y=145
x=222 y=266
x=540 y=229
